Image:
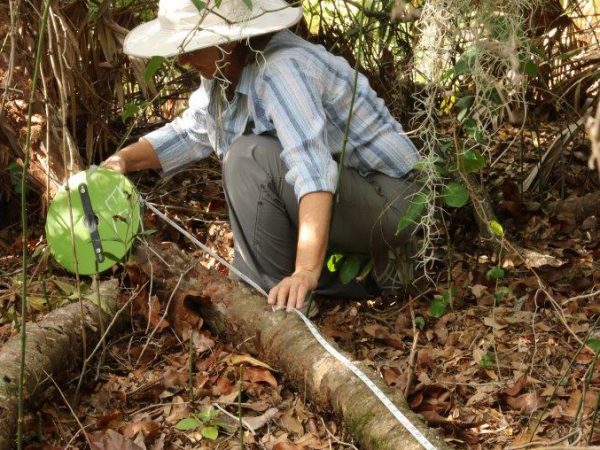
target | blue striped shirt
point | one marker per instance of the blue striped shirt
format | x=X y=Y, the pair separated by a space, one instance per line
x=302 y=93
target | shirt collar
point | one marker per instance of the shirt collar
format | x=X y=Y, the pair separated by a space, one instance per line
x=248 y=75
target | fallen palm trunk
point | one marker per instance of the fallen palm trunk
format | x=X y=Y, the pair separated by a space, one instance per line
x=54 y=345
x=283 y=341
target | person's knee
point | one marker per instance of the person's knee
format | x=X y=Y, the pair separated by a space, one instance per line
x=250 y=150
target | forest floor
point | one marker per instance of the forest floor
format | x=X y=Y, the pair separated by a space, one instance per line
x=497 y=362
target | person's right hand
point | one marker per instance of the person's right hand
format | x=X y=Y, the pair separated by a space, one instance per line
x=115 y=162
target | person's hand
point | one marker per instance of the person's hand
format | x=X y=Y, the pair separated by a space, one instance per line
x=291 y=291
x=115 y=162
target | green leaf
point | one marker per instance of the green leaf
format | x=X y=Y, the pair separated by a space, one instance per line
x=594 y=344
x=66 y=288
x=248 y=3
x=413 y=212
x=38 y=250
x=350 y=269
x=470 y=124
x=199 y=4
x=500 y=26
x=496 y=228
x=130 y=110
x=486 y=361
x=495 y=273
x=153 y=65
x=148 y=232
x=420 y=322
x=187 y=424
x=465 y=62
x=421 y=165
x=503 y=292
x=493 y=96
x=530 y=68
x=438 y=307
x=16 y=176
x=472 y=161
x=365 y=271
x=449 y=294
x=572 y=53
x=465 y=102
x=463 y=105
x=207 y=414
x=455 y=195
x=334 y=262
x=472 y=127
x=211 y=433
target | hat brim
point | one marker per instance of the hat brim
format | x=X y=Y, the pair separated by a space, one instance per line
x=151 y=39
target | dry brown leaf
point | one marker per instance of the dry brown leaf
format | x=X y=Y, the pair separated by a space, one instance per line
x=154 y=315
x=247 y=359
x=259 y=375
x=148 y=428
x=311 y=441
x=222 y=387
x=174 y=379
x=493 y=323
x=591 y=400
x=258 y=422
x=390 y=375
x=478 y=290
x=203 y=340
x=176 y=411
x=290 y=423
x=111 y=440
x=257 y=406
x=518 y=386
x=526 y=403
x=105 y=420
x=377 y=331
x=288 y=446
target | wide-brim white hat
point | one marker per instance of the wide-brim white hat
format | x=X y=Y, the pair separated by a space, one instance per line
x=181 y=27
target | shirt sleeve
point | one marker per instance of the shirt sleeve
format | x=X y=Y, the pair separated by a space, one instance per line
x=185 y=139
x=292 y=99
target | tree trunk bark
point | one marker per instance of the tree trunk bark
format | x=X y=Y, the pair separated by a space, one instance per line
x=283 y=340
x=54 y=345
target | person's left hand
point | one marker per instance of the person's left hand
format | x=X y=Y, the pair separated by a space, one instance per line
x=291 y=291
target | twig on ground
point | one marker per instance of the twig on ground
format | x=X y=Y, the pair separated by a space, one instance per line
x=580 y=297
x=332 y=436
x=241 y=419
x=413 y=350
x=111 y=324
x=68 y=405
x=546 y=445
x=183 y=274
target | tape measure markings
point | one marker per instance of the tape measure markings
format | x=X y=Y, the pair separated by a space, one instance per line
x=400 y=417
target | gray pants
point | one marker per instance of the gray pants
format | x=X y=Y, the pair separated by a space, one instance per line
x=263 y=211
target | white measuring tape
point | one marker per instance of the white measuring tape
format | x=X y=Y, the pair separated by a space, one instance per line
x=414 y=431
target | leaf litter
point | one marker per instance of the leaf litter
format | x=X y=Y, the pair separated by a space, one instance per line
x=500 y=365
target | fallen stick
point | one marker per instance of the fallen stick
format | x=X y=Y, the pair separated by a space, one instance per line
x=283 y=341
x=54 y=346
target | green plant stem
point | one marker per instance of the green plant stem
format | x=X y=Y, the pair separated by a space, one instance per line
x=586 y=384
x=240 y=407
x=562 y=378
x=351 y=113
x=191 y=367
x=594 y=416
x=23 y=336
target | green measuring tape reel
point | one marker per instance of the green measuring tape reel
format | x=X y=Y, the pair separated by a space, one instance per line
x=105 y=219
